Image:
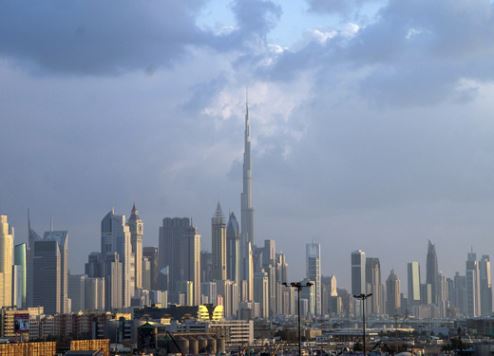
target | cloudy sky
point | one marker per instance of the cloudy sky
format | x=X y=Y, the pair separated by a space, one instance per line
x=371 y=120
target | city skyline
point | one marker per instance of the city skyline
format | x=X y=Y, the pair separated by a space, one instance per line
x=365 y=159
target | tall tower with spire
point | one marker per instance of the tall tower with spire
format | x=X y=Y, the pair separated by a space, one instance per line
x=247 y=214
x=247 y=209
x=136 y=227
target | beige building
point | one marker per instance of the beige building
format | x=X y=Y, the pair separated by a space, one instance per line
x=218 y=238
x=6 y=261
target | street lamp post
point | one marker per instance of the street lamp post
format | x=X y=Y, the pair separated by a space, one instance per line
x=298 y=286
x=363 y=297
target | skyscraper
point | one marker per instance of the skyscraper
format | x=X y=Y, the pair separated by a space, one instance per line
x=151 y=253
x=136 y=227
x=246 y=203
x=247 y=288
x=20 y=261
x=432 y=272
x=233 y=257
x=358 y=272
x=180 y=254
x=313 y=272
x=374 y=285
x=413 y=274
x=115 y=238
x=485 y=285
x=247 y=219
x=261 y=292
x=46 y=275
x=393 y=300
x=218 y=248
x=62 y=240
x=6 y=260
x=472 y=285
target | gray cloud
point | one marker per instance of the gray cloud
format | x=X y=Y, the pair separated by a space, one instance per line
x=113 y=37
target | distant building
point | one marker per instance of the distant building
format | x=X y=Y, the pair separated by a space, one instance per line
x=218 y=242
x=136 y=227
x=47 y=284
x=472 y=285
x=358 y=272
x=6 y=261
x=180 y=254
x=261 y=292
x=233 y=257
x=413 y=277
x=20 y=262
x=62 y=240
x=432 y=272
x=374 y=285
x=393 y=298
x=116 y=239
x=151 y=253
x=485 y=278
x=313 y=272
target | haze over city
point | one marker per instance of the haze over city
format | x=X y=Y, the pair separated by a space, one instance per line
x=371 y=122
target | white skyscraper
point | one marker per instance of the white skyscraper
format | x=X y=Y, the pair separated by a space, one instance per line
x=472 y=285
x=115 y=237
x=313 y=272
x=6 y=261
x=136 y=227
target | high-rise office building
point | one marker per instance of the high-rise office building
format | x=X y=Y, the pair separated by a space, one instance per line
x=218 y=248
x=209 y=292
x=261 y=293
x=393 y=300
x=269 y=253
x=113 y=277
x=6 y=260
x=62 y=239
x=146 y=273
x=207 y=266
x=313 y=272
x=77 y=292
x=46 y=263
x=136 y=227
x=281 y=268
x=472 y=285
x=247 y=288
x=233 y=256
x=413 y=274
x=269 y=266
x=358 y=272
x=325 y=294
x=460 y=293
x=20 y=261
x=485 y=279
x=180 y=254
x=374 y=285
x=432 y=272
x=151 y=253
x=116 y=238
x=94 y=297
